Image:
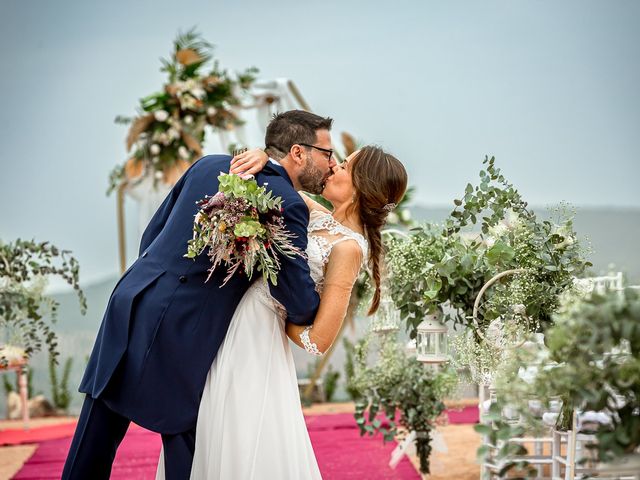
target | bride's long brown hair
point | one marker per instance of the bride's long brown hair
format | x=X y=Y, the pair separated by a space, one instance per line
x=380 y=181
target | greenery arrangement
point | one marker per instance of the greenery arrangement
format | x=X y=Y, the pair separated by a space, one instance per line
x=596 y=348
x=429 y=269
x=443 y=268
x=497 y=431
x=513 y=237
x=449 y=264
x=24 y=307
x=167 y=134
x=396 y=382
x=590 y=362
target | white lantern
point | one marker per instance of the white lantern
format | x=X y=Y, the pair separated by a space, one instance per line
x=432 y=341
x=387 y=317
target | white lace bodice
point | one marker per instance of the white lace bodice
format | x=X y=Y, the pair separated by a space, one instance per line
x=324 y=233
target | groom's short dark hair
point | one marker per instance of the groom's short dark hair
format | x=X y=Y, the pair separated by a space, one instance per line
x=295 y=126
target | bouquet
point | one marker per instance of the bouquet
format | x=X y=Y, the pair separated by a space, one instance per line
x=243 y=227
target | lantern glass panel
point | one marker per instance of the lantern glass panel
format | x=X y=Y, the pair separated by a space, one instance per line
x=428 y=344
x=442 y=343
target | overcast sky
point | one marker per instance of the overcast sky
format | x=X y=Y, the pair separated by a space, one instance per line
x=551 y=88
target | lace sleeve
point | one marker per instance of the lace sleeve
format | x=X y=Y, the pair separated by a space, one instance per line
x=309 y=346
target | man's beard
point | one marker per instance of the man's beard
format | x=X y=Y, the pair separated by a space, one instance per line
x=311 y=178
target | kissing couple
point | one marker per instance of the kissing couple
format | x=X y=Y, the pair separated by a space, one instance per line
x=208 y=364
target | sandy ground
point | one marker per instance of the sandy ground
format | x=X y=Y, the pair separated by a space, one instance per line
x=12 y=458
x=458 y=463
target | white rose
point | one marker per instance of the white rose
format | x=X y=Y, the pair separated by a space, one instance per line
x=568 y=240
x=158 y=174
x=154 y=149
x=519 y=309
x=180 y=87
x=500 y=229
x=211 y=111
x=198 y=92
x=173 y=133
x=188 y=119
x=512 y=219
x=161 y=115
x=183 y=152
x=187 y=102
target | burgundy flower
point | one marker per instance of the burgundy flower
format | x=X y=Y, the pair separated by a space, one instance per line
x=217 y=201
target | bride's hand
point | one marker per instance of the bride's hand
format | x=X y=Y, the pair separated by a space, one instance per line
x=249 y=162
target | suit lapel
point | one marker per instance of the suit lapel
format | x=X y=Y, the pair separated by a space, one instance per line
x=277 y=169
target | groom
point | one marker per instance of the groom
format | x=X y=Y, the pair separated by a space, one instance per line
x=164 y=325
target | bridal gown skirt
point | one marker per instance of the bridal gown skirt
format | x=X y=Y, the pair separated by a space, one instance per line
x=250 y=422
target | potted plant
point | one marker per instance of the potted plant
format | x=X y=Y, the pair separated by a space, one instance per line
x=409 y=394
x=444 y=268
x=24 y=305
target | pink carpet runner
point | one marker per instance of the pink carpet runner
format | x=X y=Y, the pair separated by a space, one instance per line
x=19 y=436
x=341 y=452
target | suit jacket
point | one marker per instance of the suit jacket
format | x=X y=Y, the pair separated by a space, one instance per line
x=164 y=325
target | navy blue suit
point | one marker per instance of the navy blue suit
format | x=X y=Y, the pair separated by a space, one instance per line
x=164 y=325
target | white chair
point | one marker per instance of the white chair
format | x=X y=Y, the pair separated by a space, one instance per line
x=600 y=285
x=570 y=450
x=538 y=459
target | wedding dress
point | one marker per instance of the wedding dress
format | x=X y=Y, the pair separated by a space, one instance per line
x=250 y=422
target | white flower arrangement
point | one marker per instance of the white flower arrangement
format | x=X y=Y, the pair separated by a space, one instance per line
x=168 y=133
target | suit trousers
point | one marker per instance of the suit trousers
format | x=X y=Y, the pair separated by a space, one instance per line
x=98 y=435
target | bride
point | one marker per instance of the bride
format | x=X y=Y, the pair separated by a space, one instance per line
x=250 y=423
